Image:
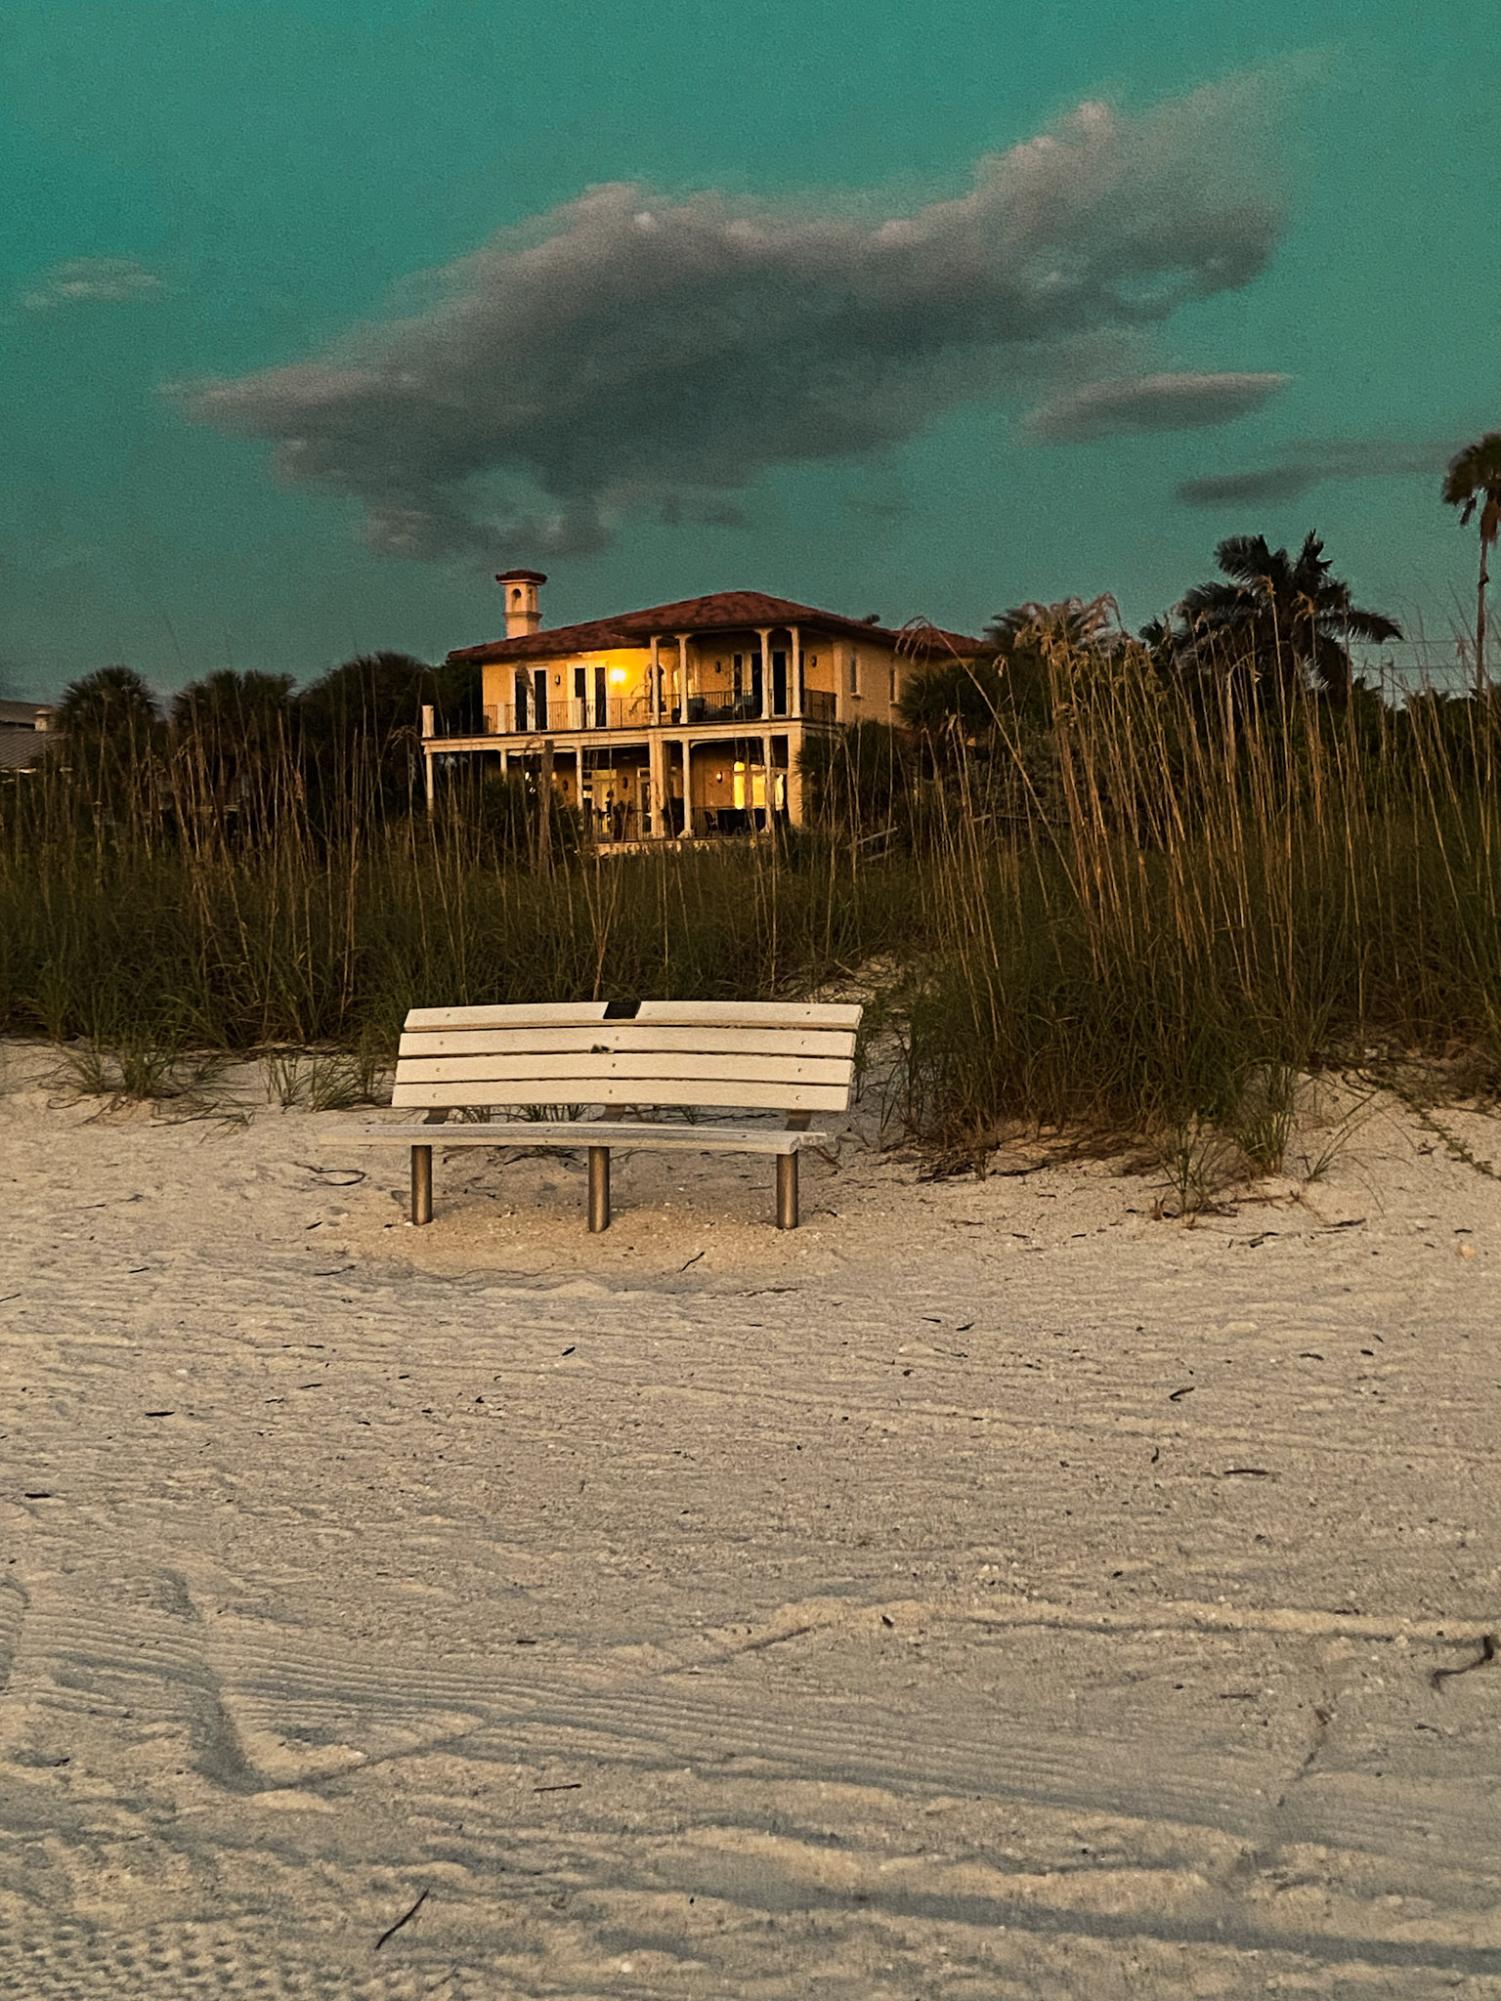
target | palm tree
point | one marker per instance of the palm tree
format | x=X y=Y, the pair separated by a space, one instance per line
x=955 y=701
x=1077 y=622
x=233 y=715
x=1473 y=485
x=111 y=705
x=108 y=724
x=1287 y=614
x=237 y=728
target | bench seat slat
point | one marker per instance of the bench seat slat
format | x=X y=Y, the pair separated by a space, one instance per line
x=621 y=1135
x=667 y=1014
x=746 y=1093
x=773 y=1014
x=541 y=1013
x=622 y=1037
x=584 y=1066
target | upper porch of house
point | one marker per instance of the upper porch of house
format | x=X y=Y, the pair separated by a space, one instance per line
x=732 y=662
x=720 y=681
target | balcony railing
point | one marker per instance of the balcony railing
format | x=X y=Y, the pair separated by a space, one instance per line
x=723 y=705
x=563 y=715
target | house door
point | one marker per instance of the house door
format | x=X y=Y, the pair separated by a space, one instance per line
x=589 y=695
x=521 y=689
x=779 y=684
x=539 y=698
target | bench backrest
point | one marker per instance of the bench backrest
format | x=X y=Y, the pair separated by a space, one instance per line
x=793 y=1056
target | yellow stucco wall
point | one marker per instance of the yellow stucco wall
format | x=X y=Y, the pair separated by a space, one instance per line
x=626 y=677
x=866 y=677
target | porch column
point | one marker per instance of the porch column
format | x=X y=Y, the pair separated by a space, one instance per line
x=795 y=692
x=795 y=801
x=505 y=762
x=656 y=759
x=655 y=670
x=768 y=782
x=687 y=750
x=427 y=776
x=764 y=634
x=682 y=639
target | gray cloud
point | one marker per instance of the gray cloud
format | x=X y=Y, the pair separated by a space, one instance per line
x=87 y=280
x=1179 y=402
x=1308 y=462
x=628 y=348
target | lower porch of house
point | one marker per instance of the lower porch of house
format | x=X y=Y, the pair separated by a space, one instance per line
x=657 y=787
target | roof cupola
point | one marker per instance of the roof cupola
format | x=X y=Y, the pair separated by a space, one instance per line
x=523 y=612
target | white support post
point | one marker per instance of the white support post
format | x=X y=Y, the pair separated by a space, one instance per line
x=427 y=756
x=795 y=801
x=795 y=692
x=687 y=750
x=764 y=633
x=768 y=782
x=656 y=759
x=654 y=704
x=682 y=676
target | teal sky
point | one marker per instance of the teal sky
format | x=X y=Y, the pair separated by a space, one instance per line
x=200 y=192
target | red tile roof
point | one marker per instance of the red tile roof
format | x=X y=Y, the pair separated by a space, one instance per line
x=720 y=611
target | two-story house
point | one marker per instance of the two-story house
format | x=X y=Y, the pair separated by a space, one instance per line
x=684 y=719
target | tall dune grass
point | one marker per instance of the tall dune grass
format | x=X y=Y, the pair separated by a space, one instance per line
x=1198 y=892
x=1144 y=906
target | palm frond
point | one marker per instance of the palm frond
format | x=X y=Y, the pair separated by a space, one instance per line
x=1244 y=557
x=1473 y=473
x=1370 y=625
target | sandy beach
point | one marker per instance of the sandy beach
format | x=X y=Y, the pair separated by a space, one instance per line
x=991 y=1590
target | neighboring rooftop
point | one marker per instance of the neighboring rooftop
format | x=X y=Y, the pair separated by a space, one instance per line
x=720 y=611
x=24 y=715
x=24 y=735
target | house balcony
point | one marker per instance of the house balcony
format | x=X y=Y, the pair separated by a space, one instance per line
x=563 y=715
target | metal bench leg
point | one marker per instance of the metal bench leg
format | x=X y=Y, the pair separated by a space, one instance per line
x=786 y=1191
x=599 y=1188
x=422 y=1184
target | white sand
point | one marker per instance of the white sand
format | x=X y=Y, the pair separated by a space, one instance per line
x=850 y=1614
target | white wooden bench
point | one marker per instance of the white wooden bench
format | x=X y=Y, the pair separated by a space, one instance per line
x=794 y=1057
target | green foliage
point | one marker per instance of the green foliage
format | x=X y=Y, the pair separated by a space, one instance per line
x=1141 y=904
x=112 y=702
x=953 y=705
x=861 y=780
x=109 y=728
x=1473 y=485
x=369 y=710
x=235 y=720
x=1287 y=619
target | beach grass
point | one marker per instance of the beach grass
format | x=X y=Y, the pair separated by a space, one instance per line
x=1147 y=910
